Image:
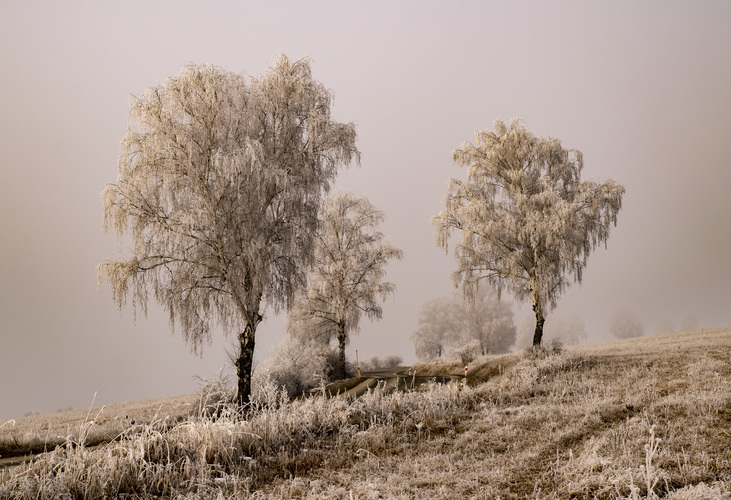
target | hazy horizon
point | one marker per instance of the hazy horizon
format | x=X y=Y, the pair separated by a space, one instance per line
x=642 y=90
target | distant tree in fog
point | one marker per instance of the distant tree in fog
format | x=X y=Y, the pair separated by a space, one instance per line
x=486 y=321
x=347 y=279
x=437 y=329
x=524 y=332
x=689 y=322
x=528 y=221
x=665 y=325
x=483 y=324
x=625 y=324
x=569 y=330
x=220 y=182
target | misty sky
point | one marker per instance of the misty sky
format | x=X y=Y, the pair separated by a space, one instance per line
x=643 y=89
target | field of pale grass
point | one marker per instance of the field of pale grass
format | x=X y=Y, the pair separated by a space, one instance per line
x=643 y=418
x=35 y=433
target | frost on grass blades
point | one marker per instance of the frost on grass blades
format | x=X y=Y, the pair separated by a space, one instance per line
x=207 y=455
x=627 y=419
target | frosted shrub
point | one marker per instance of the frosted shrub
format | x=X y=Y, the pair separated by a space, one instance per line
x=297 y=366
x=215 y=394
x=554 y=348
x=467 y=352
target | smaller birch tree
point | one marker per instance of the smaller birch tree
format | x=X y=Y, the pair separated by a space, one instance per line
x=347 y=279
x=528 y=221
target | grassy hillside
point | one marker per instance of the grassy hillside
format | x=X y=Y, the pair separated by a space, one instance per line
x=632 y=419
x=36 y=433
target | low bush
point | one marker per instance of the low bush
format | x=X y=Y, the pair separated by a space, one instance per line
x=297 y=367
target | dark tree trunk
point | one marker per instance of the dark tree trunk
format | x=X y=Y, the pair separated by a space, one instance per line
x=540 y=319
x=245 y=362
x=340 y=369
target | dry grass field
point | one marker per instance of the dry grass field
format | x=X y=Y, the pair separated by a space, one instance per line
x=642 y=418
x=36 y=433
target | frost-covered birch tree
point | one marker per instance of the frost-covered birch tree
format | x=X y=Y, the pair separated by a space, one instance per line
x=528 y=220
x=347 y=279
x=220 y=181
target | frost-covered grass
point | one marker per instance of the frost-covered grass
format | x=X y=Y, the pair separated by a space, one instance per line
x=633 y=419
x=36 y=433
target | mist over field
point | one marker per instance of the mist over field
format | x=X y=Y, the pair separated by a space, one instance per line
x=640 y=90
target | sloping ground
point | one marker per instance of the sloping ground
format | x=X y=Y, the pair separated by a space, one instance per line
x=37 y=433
x=648 y=416
x=630 y=419
x=25 y=437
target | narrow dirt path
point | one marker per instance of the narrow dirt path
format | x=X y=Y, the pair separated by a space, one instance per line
x=16 y=460
x=394 y=379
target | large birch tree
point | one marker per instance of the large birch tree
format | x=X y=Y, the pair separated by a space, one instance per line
x=528 y=220
x=346 y=282
x=220 y=181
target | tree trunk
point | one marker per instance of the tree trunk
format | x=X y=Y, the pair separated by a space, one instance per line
x=538 y=334
x=540 y=319
x=246 y=361
x=340 y=369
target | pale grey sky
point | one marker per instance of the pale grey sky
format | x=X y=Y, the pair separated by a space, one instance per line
x=643 y=89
